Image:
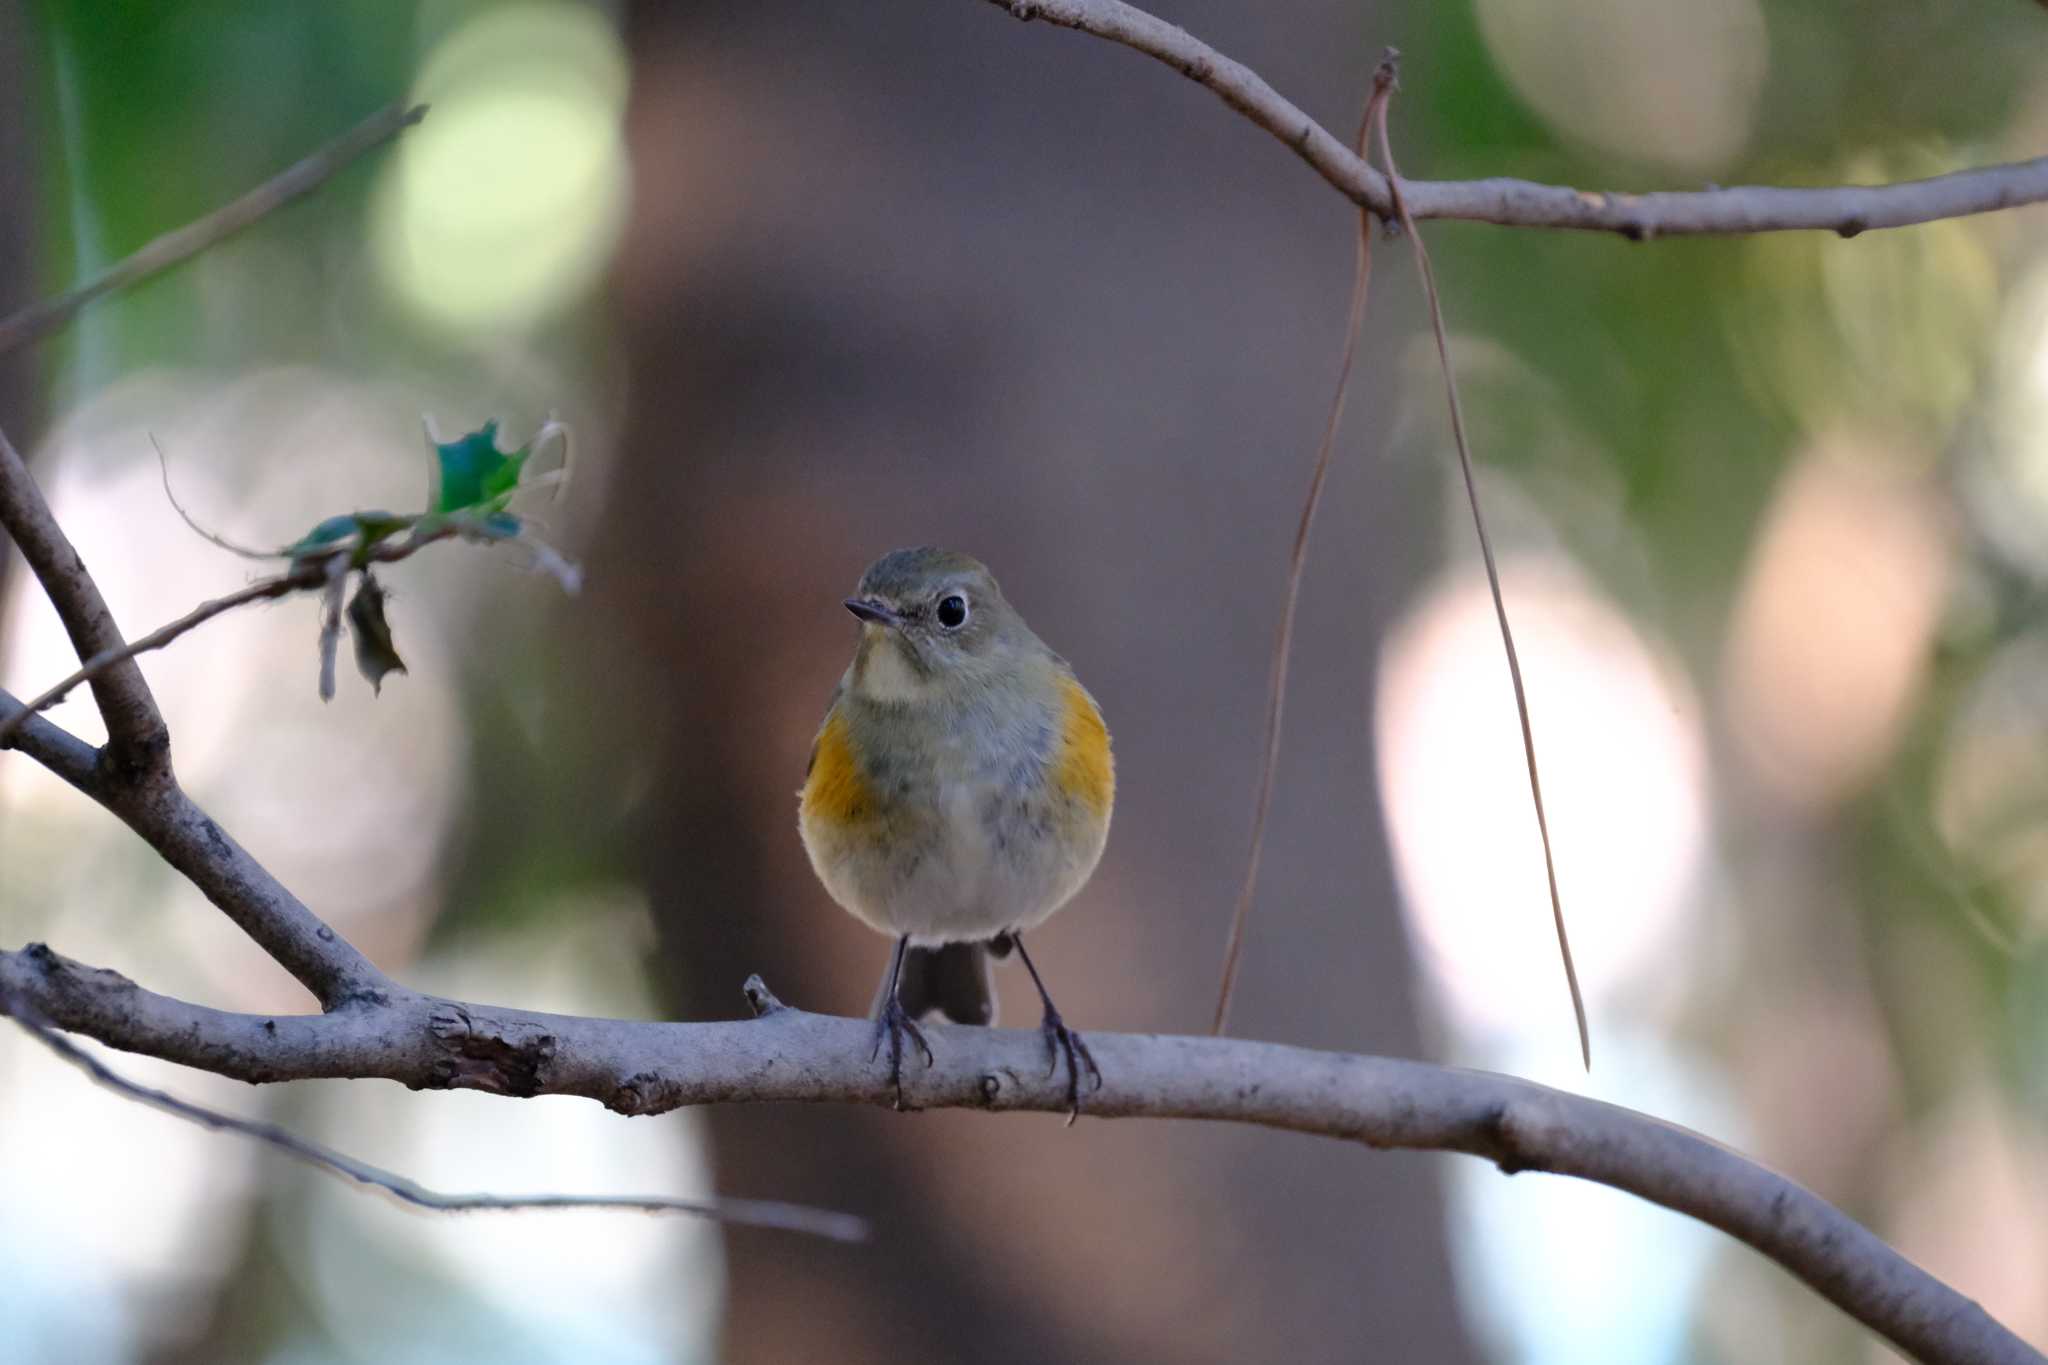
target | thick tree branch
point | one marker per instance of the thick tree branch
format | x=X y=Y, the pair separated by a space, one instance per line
x=137 y=743
x=1844 y=209
x=788 y=1054
x=374 y=1028
x=39 y=320
x=762 y=1213
x=191 y=841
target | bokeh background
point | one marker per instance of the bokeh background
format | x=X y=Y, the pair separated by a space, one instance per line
x=813 y=280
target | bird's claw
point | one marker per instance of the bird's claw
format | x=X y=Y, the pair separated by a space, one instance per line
x=1061 y=1040
x=892 y=1023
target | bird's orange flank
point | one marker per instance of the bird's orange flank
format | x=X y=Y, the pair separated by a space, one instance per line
x=1085 y=770
x=834 y=790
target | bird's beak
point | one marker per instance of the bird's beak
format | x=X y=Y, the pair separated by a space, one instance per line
x=867 y=609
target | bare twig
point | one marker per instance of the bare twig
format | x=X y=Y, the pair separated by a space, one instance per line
x=1938 y=864
x=205 y=533
x=788 y=1054
x=1844 y=209
x=375 y=1028
x=156 y=639
x=1383 y=79
x=1283 y=641
x=138 y=742
x=39 y=320
x=762 y=1213
x=140 y=746
x=304 y=575
x=56 y=748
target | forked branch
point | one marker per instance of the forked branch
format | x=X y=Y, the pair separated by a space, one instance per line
x=785 y=1054
x=373 y=1027
x=1843 y=209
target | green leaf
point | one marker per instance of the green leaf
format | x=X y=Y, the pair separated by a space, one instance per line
x=474 y=474
x=474 y=481
x=356 y=532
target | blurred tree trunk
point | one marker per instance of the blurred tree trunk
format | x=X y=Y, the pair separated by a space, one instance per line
x=870 y=299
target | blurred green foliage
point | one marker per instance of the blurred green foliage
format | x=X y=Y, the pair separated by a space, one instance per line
x=157 y=114
x=1647 y=397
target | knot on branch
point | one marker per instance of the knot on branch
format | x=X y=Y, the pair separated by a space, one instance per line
x=485 y=1054
x=643 y=1093
x=1504 y=1140
x=68 y=980
x=140 y=757
x=760 y=999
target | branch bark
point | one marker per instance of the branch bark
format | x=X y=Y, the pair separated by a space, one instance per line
x=1843 y=209
x=137 y=742
x=191 y=841
x=373 y=1027
x=51 y=745
x=762 y=1213
x=634 y=1067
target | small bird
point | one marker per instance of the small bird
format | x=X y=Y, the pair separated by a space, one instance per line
x=958 y=793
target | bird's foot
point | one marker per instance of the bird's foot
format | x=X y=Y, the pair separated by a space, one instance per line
x=1059 y=1039
x=892 y=1024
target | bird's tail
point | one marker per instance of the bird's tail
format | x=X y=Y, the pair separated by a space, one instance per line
x=952 y=980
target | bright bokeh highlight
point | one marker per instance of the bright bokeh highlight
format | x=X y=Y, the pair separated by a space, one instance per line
x=1667 y=82
x=1624 y=775
x=1844 y=588
x=503 y=207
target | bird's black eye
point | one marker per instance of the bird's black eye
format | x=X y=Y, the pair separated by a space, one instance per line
x=952 y=611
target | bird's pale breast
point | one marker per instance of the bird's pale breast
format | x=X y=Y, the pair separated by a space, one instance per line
x=943 y=824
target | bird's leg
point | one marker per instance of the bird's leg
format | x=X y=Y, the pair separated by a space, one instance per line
x=1060 y=1039
x=891 y=1022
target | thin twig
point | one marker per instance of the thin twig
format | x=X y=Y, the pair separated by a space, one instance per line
x=1283 y=640
x=1938 y=864
x=760 y=1213
x=304 y=575
x=212 y=537
x=1384 y=79
x=39 y=320
x=1843 y=209
x=156 y=639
